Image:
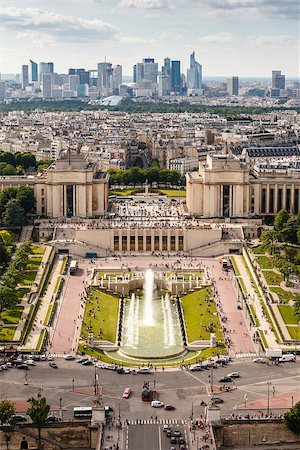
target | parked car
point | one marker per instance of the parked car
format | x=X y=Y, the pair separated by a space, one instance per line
x=233 y=375
x=259 y=361
x=126 y=393
x=52 y=419
x=88 y=362
x=53 y=365
x=170 y=408
x=120 y=370
x=195 y=368
x=157 y=404
x=217 y=400
x=69 y=357
x=19 y=418
x=81 y=360
x=127 y=370
x=143 y=370
x=23 y=366
x=225 y=379
x=30 y=362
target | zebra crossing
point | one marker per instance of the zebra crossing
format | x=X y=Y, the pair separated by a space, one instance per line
x=155 y=422
x=246 y=355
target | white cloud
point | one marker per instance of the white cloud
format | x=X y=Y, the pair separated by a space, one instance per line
x=273 y=41
x=146 y=4
x=282 y=9
x=129 y=40
x=68 y=28
x=221 y=37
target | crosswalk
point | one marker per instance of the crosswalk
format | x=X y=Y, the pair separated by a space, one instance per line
x=246 y=355
x=156 y=422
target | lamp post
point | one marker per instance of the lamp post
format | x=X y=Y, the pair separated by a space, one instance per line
x=268 y=405
x=292 y=401
x=73 y=381
x=60 y=409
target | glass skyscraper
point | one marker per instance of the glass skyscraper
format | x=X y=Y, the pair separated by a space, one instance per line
x=194 y=77
x=33 y=71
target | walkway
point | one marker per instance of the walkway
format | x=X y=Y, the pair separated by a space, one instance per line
x=26 y=233
x=46 y=301
x=67 y=327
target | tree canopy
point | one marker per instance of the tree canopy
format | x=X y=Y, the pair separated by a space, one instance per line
x=7 y=410
x=292 y=418
x=38 y=412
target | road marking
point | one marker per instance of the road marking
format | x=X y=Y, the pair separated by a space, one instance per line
x=200 y=381
x=159 y=438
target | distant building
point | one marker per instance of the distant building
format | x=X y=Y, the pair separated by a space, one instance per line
x=33 y=71
x=47 y=85
x=104 y=75
x=45 y=67
x=164 y=85
x=84 y=75
x=74 y=81
x=25 y=76
x=194 y=77
x=150 y=70
x=116 y=77
x=278 y=80
x=2 y=90
x=233 y=86
x=175 y=77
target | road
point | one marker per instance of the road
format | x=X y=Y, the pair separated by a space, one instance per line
x=151 y=436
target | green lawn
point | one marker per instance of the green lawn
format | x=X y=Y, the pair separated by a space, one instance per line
x=34 y=262
x=272 y=278
x=172 y=192
x=106 y=317
x=235 y=267
x=7 y=333
x=11 y=316
x=122 y=192
x=284 y=296
x=294 y=332
x=264 y=262
x=27 y=278
x=287 y=314
x=259 y=250
x=199 y=312
x=36 y=250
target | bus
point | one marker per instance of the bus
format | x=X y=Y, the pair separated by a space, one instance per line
x=73 y=267
x=225 y=263
x=83 y=412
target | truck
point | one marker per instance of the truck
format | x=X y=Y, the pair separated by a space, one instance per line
x=273 y=353
x=288 y=357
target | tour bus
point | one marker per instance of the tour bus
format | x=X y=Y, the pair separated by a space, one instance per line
x=225 y=263
x=82 y=412
x=73 y=267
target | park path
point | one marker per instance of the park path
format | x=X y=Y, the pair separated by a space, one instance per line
x=46 y=301
x=26 y=233
x=67 y=327
x=237 y=325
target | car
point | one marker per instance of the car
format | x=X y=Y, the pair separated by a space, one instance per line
x=126 y=393
x=120 y=370
x=143 y=370
x=4 y=367
x=259 y=361
x=81 y=360
x=170 y=408
x=8 y=365
x=98 y=365
x=127 y=370
x=225 y=379
x=166 y=428
x=169 y=432
x=30 y=362
x=177 y=433
x=87 y=363
x=19 y=418
x=43 y=357
x=173 y=440
x=49 y=358
x=69 y=357
x=157 y=404
x=233 y=375
x=216 y=400
x=23 y=366
x=53 y=365
x=52 y=419
x=172 y=448
x=195 y=368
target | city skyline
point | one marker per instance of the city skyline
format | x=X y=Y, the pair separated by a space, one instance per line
x=243 y=38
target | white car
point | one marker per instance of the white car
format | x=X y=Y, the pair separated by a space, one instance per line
x=259 y=361
x=157 y=404
x=30 y=362
x=69 y=357
x=233 y=375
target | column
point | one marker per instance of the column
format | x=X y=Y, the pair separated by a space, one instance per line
x=292 y=198
x=267 y=199
x=152 y=240
x=230 y=200
x=128 y=240
x=120 y=240
x=144 y=240
x=276 y=198
x=177 y=240
x=168 y=240
x=160 y=240
x=284 y=196
x=136 y=240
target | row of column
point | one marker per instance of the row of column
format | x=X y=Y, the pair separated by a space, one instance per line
x=57 y=200
x=276 y=206
x=148 y=240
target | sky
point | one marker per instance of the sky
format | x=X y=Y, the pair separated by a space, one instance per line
x=230 y=37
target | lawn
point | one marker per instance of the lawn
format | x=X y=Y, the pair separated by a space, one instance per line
x=259 y=250
x=34 y=262
x=122 y=192
x=264 y=262
x=294 y=332
x=284 y=296
x=36 y=250
x=101 y=312
x=11 y=316
x=199 y=313
x=287 y=314
x=272 y=278
x=172 y=192
x=27 y=278
x=235 y=267
x=7 y=333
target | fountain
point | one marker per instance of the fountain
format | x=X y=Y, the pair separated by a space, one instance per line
x=148 y=298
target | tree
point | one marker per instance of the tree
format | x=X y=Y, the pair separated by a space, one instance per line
x=7 y=410
x=292 y=418
x=25 y=196
x=9 y=170
x=8 y=297
x=14 y=214
x=38 y=413
x=281 y=219
x=289 y=232
x=6 y=237
x=4 y=256
x=296 y=305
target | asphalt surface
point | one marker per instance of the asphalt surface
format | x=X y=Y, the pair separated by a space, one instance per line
x=152 y=436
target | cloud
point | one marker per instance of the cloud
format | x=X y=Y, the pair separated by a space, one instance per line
x=129 y=40
x=58 y=26
x=283 y=9
x=221 y=37
x=273 y=41
x=146 y=4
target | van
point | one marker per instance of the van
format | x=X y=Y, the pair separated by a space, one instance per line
x=143 y=370
x=289 y=357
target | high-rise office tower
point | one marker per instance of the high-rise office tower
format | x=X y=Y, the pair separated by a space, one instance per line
x=194 y=77
x=150 y=70
x=33 y=71
x=84 y=75
x=104 y=75
x=163 y=85
x=233 y=86
x=278 y=80
x=25 y=76
x=166 y=69
x=175 y=77
x=45 y=67
x=74 y=81
x=47 y=85
x=116 y=76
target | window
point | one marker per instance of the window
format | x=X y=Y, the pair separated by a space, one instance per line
x=180 y=243
x=132 y=243
x=271 y=202
x=124 y=243
x=288 y=200
x=165 y=243
x=173 y=243
x=116 y=243
x=279 y=200
x=156 y=242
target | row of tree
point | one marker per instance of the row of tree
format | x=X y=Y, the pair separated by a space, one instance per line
x=9 y=281
x=136 y=175
x=20 y=163
x=15 y=204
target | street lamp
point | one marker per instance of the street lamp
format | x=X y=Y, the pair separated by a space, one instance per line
x=268 y=406
x=73 y=381
x=60 y=409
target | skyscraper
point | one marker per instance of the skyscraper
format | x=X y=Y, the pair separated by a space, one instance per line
x=233 y=86
x=25 y=76
x=45 y=67
x=33 y=71
x=278 y=80
x=194 y=77
x=150 y=70
x=74 y=81
x=175 y=77
x=84 y=75
x=116 y=76
x=166 y=69
x=47 y=85
x=104 y=75
x=164 y=85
